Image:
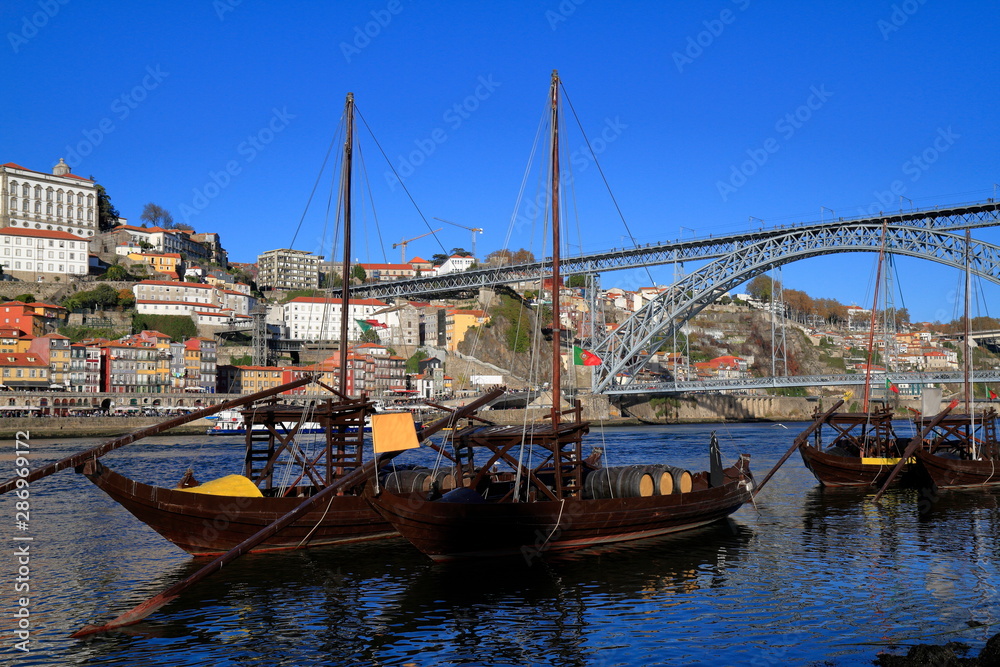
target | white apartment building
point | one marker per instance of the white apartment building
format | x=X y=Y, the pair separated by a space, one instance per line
x=456 y=263
x=28 y=253
x=206 y=304
x=317 y=318
x=56 y=202
x=162 y=240
x=287 y=269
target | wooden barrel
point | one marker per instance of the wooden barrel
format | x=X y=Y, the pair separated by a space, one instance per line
x=663 y=481
x=405 y=481
x=619 y=482
x=682 y=479
x=445 y=478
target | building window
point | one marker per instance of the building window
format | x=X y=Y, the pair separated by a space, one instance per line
x=38 y=206
x=24 y=206
x=48 y=208
x=48 y=194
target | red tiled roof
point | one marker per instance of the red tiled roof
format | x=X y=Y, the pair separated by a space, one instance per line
x=175 y=283
x=176 y=303
x=14 y=165
x=40 y=233
x=151 y=230
x=21 y=359
x=353 y=302
x=387 y=267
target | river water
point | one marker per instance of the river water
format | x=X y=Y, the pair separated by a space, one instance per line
x=804 y=577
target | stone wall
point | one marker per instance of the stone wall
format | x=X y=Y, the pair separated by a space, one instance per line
x=719 y=407
x=82 y=427
x=54 y=291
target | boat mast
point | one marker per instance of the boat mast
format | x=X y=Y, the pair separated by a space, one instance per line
x=345 y=292
x=871 y=327
x=967 y=348
x=556 y=332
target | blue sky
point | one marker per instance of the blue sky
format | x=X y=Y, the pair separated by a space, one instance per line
x=222 y=112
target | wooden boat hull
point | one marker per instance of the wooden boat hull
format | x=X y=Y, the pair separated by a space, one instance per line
x=207 y=525
x=948 y=473
x=458 y=530
x=834 y=470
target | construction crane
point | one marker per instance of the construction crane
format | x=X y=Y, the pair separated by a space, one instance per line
x=402 y=244
x=471 y=229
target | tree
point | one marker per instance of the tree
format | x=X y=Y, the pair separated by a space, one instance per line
x=500 y=258
x=126 y=299
x=107 y=214
x=577 y=280
x=116 y=272
x=413 y=363
x=370 y=336
x=461 y=252
x=157 y=216
x=523 y=256
x=761 y=288
x=359 y=273
x=105 y=296
x=25 y=298
x=439 y=258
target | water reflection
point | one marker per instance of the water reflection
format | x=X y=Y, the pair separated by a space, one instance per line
x=808 y=575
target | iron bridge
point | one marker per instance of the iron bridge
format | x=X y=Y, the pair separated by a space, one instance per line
x=753 y=384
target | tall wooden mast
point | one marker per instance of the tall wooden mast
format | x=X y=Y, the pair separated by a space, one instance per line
x=871 y=327
x=556 y=332
x=967 y=347
x=345 y=291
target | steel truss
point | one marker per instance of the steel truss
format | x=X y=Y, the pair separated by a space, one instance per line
x=971 y=216
x=754 y=384
x=626 y=351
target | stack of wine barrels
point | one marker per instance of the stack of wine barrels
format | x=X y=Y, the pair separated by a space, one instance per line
x=406 y=481
x=636 y=481
x=445 y=478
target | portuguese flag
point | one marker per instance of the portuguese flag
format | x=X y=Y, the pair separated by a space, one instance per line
x=889 y=386
x=993 y=394
x=365 y=326
x=582 y=357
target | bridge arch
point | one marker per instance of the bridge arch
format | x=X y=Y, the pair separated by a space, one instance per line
x=621 y=351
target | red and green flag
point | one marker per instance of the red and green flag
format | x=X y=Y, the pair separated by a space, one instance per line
x=582 y=357
x=889 y=386
x=993 y=394
x=365 y=326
